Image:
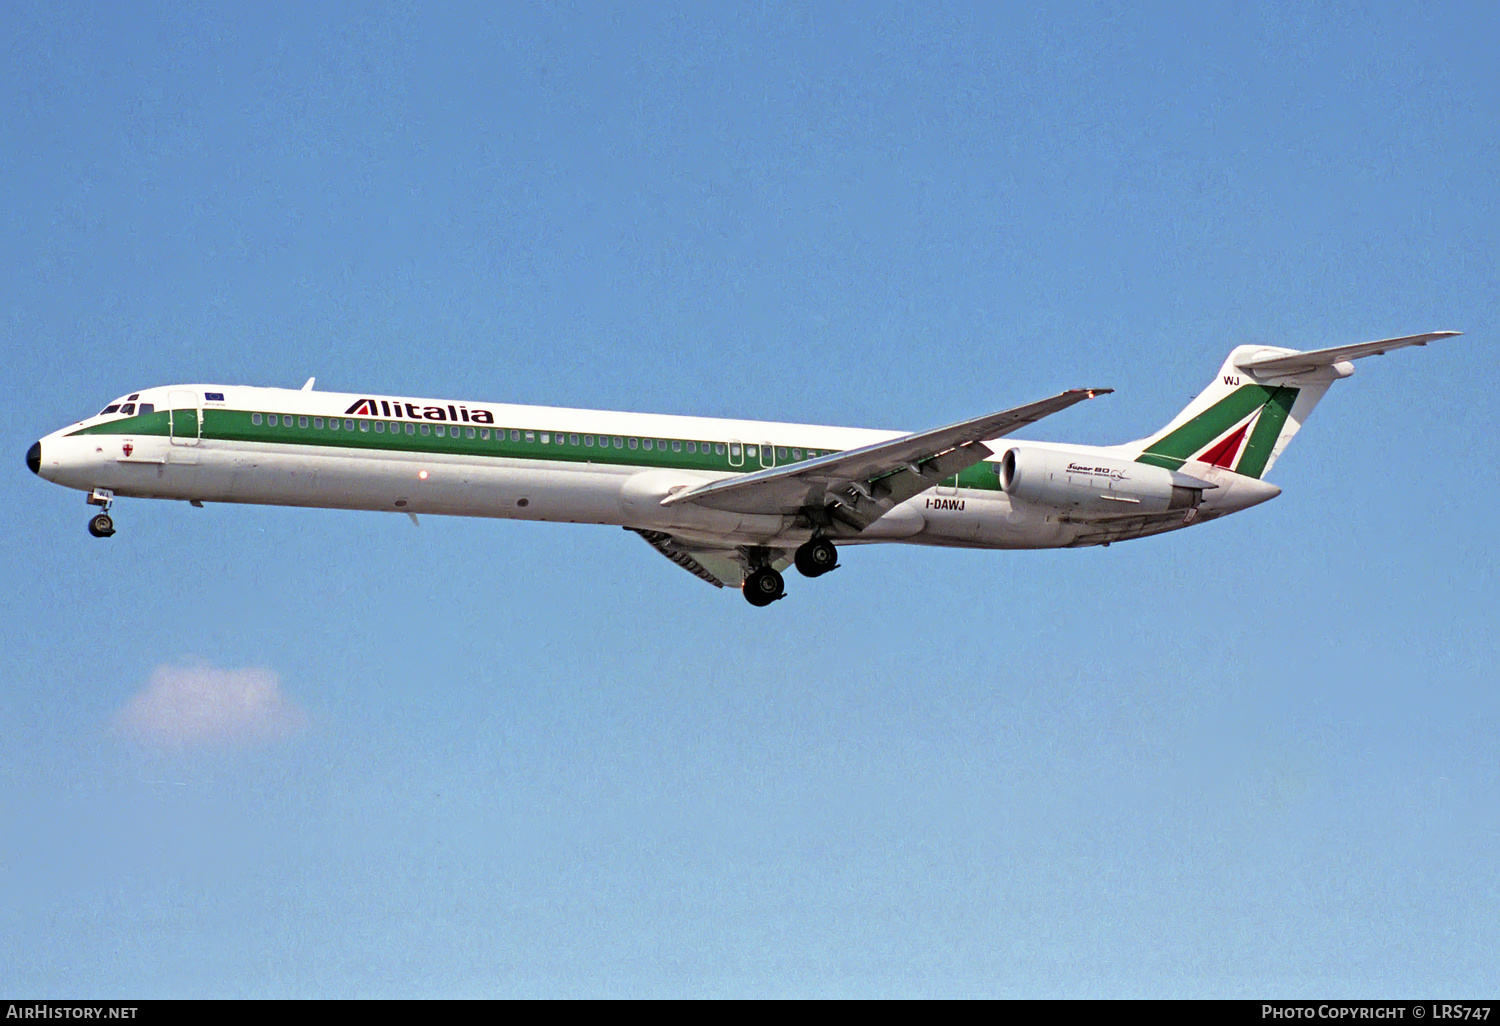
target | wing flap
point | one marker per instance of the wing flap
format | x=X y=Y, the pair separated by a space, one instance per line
x=721 y=573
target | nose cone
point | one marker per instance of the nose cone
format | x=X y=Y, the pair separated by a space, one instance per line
x=34 y=457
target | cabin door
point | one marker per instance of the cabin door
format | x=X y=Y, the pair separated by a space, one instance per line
x=185 y=415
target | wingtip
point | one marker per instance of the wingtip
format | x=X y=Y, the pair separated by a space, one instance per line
x=1094 y=393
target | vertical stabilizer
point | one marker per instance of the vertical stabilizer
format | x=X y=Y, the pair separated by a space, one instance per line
x=1243 y=420
x=1246 y=416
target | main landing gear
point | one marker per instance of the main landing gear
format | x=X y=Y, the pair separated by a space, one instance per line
x=816 y=558
x=101 y=524
x=764 y=585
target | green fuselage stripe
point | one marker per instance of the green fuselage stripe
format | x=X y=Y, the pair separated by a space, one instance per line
x=237 y=426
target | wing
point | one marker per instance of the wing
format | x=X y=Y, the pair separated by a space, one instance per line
x=861 y=485
x=1295 y=363
x=723 y=568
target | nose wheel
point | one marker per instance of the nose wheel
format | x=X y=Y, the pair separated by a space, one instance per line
x=101 y=524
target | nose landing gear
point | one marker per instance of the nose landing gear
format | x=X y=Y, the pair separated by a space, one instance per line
x=101 y=524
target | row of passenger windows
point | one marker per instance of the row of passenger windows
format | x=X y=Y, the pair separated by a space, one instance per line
x=734 y=449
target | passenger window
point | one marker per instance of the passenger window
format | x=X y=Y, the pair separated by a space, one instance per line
x=796 y=454
x=546 y=438
x=411 y=429
x=333 y=425
x=734 y=450
x=442 y=432
x=469 y=432
x=484 y=434
x=649 y=445
x=380 y=427
x=634 y=442
x=719 y=448
x=676 y=445
x=256 y=418
x=318 y=423
x=426 y=429
x=692 y=447
x=364 y=425
x=515 y=436
x=572 y=439
x=271 y=419
x=619 y=442
x=780 y=452
x=302 y=422
x=348 y=425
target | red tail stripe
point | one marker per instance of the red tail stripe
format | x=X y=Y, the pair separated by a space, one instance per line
x=1222 y=455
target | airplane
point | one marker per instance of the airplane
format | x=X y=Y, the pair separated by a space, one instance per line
x=733 y=502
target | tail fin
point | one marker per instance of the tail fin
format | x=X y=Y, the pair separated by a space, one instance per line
x=1258 y=401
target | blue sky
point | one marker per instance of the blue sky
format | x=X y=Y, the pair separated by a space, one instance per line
x=1253 y=758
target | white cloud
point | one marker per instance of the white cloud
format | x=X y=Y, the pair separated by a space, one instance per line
x=197 y=704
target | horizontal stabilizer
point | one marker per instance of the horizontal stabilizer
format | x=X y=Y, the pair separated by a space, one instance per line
x=1297 y=363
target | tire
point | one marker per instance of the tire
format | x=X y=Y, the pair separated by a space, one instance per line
x=101 y=526
x=763 y=586
x=816 y=558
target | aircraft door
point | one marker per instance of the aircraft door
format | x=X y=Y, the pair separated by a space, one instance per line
x=185 y=415
x=767 y=455
x=736 y=453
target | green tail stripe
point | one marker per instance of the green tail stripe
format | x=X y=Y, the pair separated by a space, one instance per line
x=1153 y=460
x=1174 y=449
x=1267 y=429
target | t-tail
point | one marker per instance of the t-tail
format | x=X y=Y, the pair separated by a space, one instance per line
x=1258 y=401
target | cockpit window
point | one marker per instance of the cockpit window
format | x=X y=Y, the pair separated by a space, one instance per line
x=112 y=408
x=128 y=409
x=132 y=397
x=146 y=408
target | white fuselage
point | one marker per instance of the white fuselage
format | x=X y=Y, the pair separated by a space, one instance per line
x=528 y=463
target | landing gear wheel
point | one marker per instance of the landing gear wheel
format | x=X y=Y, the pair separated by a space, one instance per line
x=763 y=586
x=101 y=526
x=816 y=558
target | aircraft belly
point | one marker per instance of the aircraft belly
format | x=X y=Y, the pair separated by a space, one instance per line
x=989 y=520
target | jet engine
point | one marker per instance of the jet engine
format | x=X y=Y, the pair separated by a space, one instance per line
x=1096 y=484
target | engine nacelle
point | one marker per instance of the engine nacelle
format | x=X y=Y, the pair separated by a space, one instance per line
x=1094 y=484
